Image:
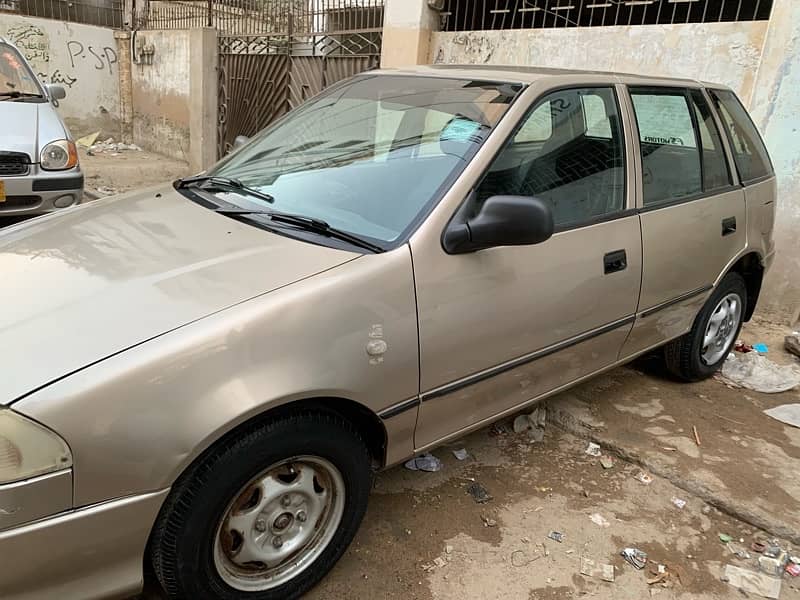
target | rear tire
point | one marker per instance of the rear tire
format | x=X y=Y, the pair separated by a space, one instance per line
x=265 y=514
x=691 y=357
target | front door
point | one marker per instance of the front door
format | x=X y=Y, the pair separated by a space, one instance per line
x=502 y=326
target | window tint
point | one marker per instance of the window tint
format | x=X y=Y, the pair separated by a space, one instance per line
x=581 y=175
x=670 y=156
x=716 y=174
x=749 y=153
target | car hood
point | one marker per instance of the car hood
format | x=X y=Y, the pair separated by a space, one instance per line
x=28 y=126
x=86 y=283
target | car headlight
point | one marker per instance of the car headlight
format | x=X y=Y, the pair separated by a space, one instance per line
x=59 y=155
x=27 y=449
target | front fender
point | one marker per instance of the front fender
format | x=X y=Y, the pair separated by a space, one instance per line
x=136 y=420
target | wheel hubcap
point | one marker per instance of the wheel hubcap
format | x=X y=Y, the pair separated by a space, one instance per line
x=279 y=523
x=722 y=327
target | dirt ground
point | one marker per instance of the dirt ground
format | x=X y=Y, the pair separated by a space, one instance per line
x=111 y=173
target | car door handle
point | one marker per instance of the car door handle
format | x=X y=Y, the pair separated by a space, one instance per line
x=615 y=261
x=728 y=226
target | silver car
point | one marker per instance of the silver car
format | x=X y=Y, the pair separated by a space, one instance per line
x=39 y=170
x=200 y=378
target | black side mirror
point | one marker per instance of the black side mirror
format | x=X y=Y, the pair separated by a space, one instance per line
x=502 y=221
x=239 y=141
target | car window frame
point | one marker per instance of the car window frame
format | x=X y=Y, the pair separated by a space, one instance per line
x=712 y=101
x=685 y=91
x=626 y=211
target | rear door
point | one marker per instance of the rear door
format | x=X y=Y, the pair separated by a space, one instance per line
x=693 y=215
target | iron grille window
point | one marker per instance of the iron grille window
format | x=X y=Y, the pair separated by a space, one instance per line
x=106 y=13
x=268 y=17
x=476 y=15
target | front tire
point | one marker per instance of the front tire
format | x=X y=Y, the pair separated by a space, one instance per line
x=265 y=514
x=700 y=353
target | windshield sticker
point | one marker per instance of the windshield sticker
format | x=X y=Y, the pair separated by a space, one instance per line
x=461 y=129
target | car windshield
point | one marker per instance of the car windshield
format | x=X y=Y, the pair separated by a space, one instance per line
x=369 y=156
x=15 y=76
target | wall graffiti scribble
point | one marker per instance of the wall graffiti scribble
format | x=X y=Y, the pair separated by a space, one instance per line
x=32 y=42
x=104 y=58
x=62 y=78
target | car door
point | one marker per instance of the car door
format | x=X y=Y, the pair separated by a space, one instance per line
x=692 y=213
x=501 y=326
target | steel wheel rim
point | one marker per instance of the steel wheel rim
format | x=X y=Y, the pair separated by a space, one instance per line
x=278 y=524
x=721 y=329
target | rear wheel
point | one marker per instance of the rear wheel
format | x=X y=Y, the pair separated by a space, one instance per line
x=700 y=353
x=264 y=515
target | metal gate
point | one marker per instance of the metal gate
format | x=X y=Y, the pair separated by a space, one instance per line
x=264 y=76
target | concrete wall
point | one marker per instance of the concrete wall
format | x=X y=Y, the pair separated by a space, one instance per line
x=174 y=95
x=160 y=91
x=775 y=107
x=722 y=52
x=760 y=60
x=82 y=58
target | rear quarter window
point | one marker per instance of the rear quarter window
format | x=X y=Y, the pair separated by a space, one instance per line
x=749 y=152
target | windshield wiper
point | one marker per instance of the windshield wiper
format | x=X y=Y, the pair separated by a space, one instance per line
x=308 y=223
x=225 y=183
x=18 y=94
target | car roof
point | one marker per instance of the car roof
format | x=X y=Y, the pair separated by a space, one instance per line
x=528 y=75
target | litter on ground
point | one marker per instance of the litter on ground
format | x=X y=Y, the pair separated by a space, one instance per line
x=593 y=449
x=645 y=478
x=461 y=454
x=679 y=502
x=479 y=493
x=556 y=536
x=786 y=413
x=758 y=373
x=425 y=462
x=635 y=557
x=751 y=582
x=590 y=568
x=600 y=520
x=534 y=423
x=792 y=344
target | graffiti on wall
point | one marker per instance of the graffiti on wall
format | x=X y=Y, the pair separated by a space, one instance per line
x=31 y=41
x=103 y=58
x=34 y=44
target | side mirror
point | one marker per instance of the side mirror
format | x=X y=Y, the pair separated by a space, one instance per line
x=239 y=141
x=502 y=221
x=56 y=92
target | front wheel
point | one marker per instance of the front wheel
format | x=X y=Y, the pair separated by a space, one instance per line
x=700 y=353
x=265 y=514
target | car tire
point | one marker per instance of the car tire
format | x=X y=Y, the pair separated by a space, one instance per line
x=689 y=358
x=313 y=468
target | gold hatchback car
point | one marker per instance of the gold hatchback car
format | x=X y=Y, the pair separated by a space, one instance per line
x=201 y=378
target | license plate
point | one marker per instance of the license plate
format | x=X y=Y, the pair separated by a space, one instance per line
x=2 y=191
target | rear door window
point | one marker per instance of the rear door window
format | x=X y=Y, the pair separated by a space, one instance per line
x=671 y=164
x=749 y=152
